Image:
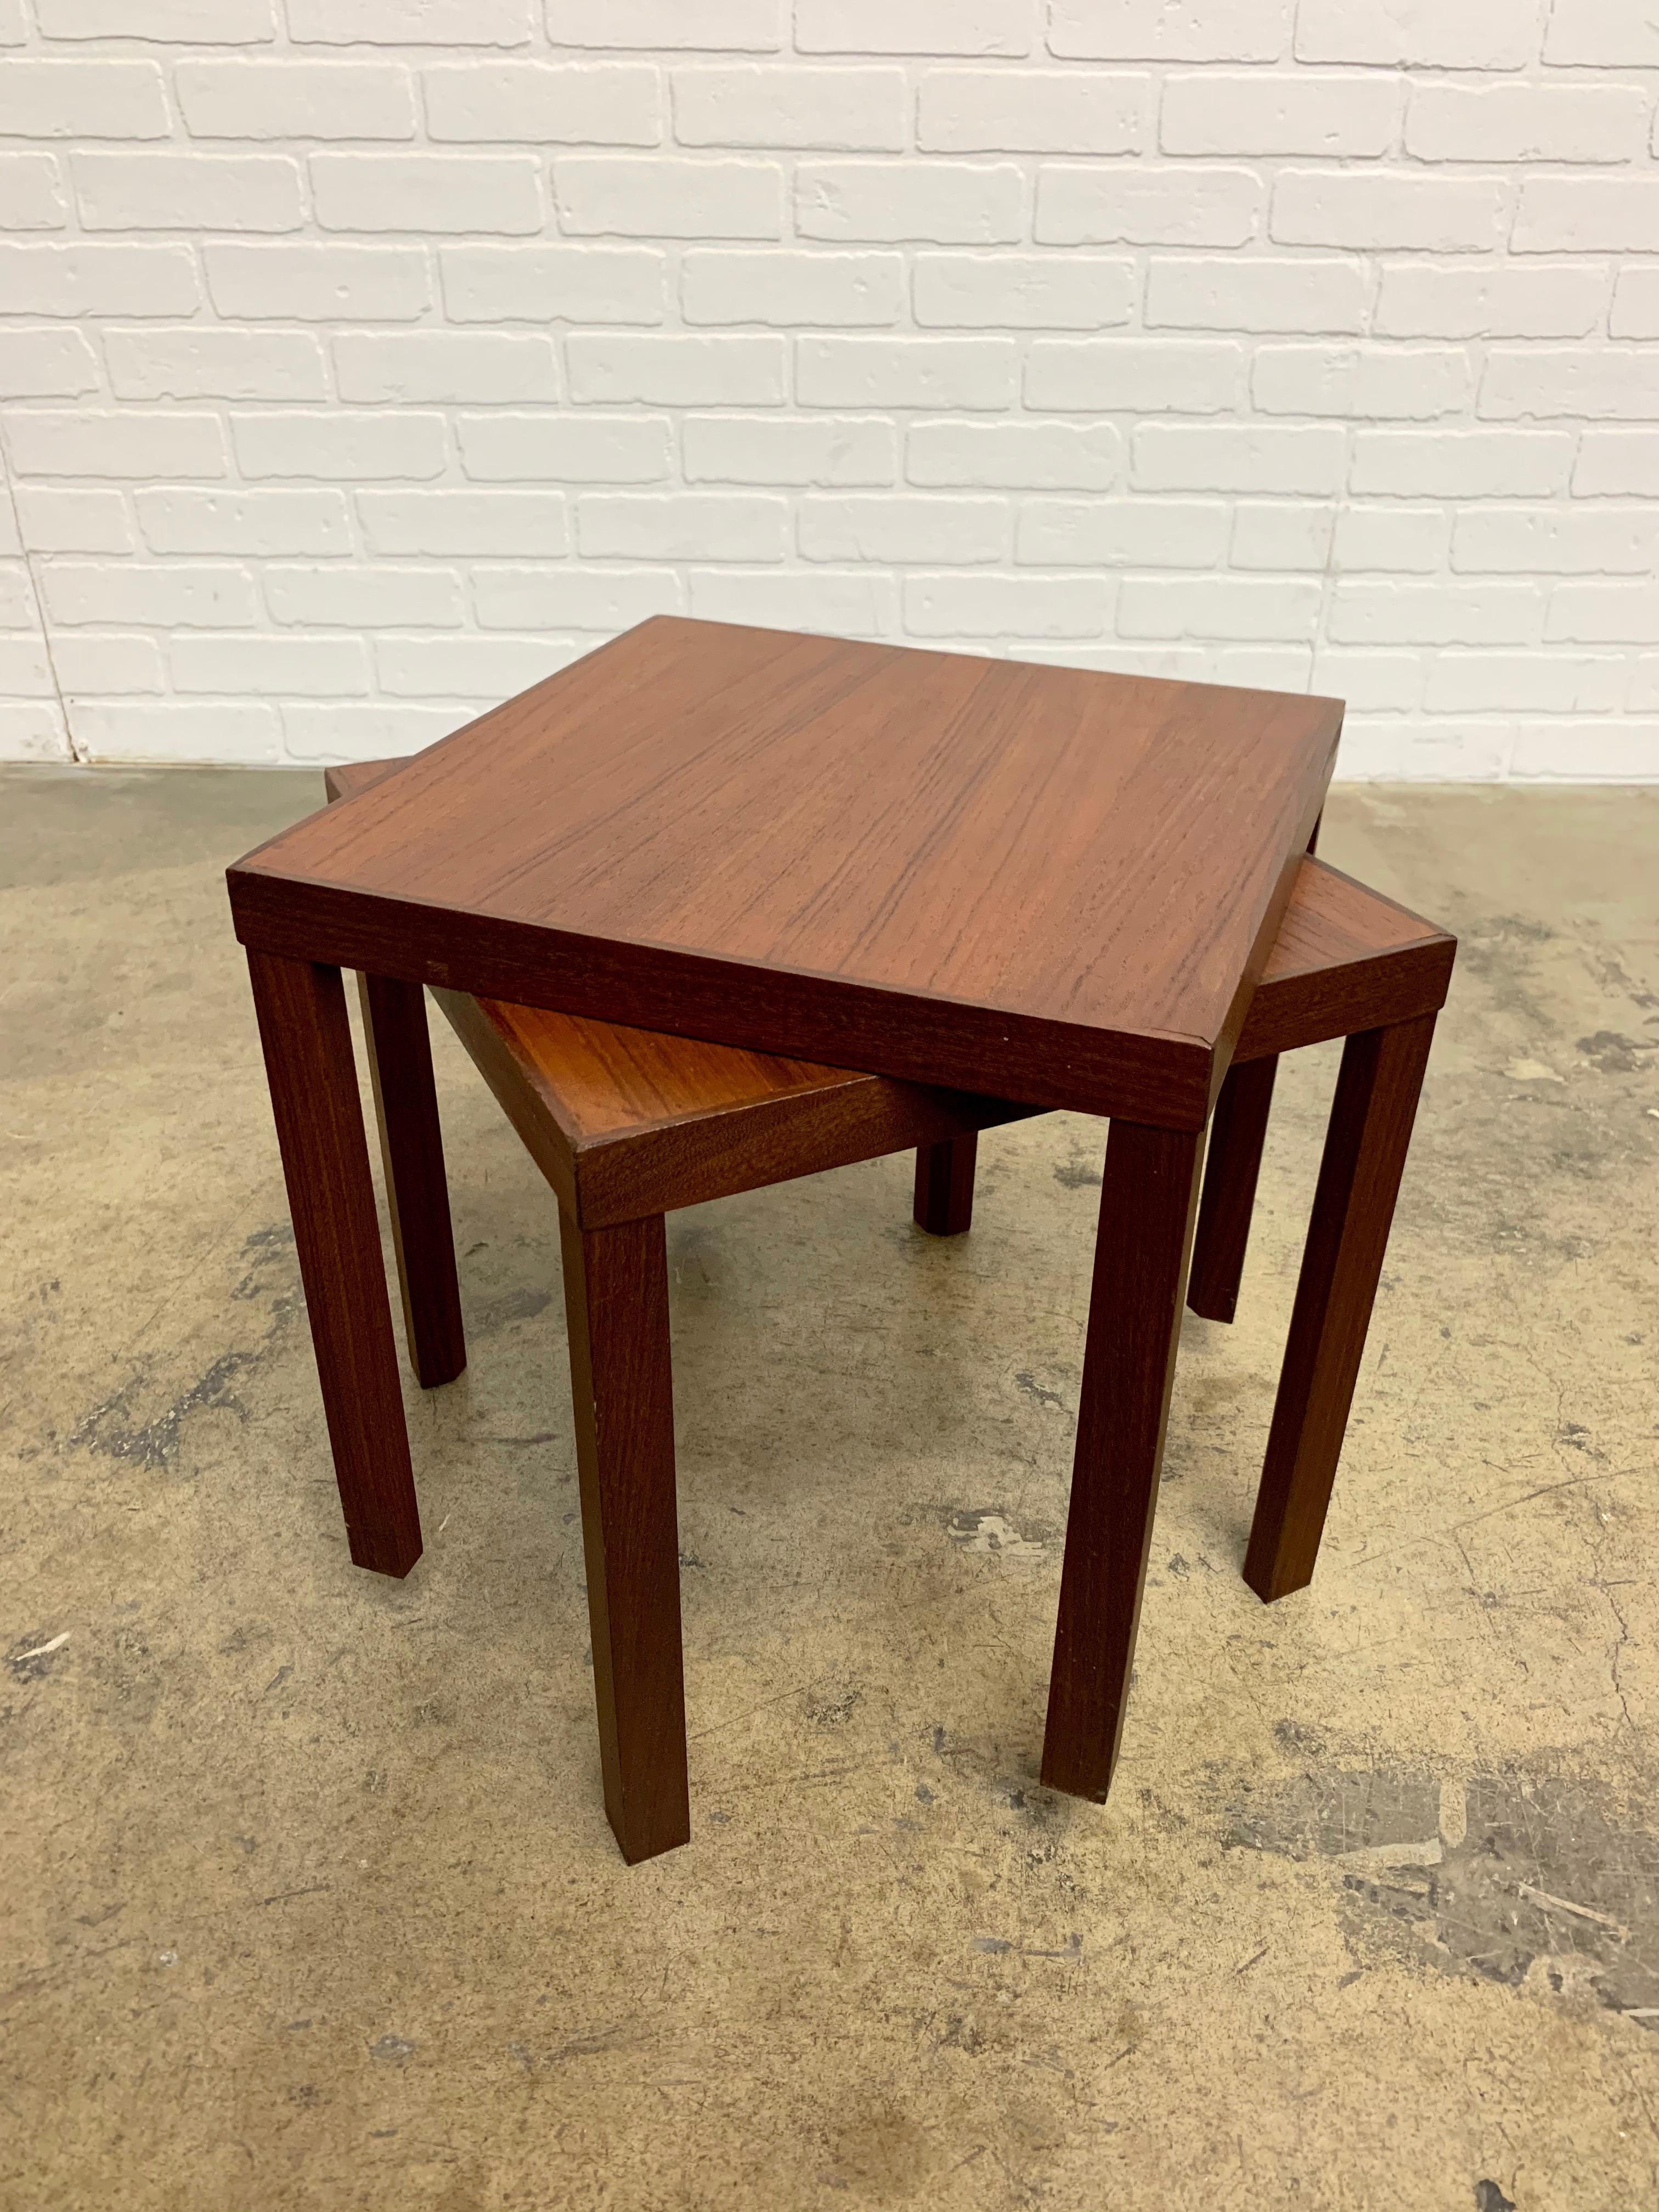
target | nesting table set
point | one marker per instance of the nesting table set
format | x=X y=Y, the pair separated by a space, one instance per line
x=716 y=906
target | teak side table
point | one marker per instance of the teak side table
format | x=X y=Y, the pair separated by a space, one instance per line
x=627 y=1125
x=1050 y=886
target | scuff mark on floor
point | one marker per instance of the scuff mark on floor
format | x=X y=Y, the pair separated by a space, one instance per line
x=1025 y=1381
x=517 y=1305
x=1614 y=1054
x=1524 y=1879
x=1077 y=1175
x=109 y=1428
x=38 y=1656
x=834 y=1708
x=264 y=1248
x=989 y=1530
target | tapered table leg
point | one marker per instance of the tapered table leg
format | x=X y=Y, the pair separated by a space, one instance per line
x=615 y=1289
x=1146 y=1207
x=1371 y=1128
x=1231 y=1169
x=945 y=1185
x=320 y=1127
x=417 y=1193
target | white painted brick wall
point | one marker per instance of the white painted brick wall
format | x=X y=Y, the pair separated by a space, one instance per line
x=363 y=359
x=33 y=724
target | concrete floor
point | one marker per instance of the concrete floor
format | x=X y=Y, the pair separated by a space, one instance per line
x=309 y=1897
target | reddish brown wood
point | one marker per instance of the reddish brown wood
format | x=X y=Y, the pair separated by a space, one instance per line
x=1146 y=1207
x=1062 y=887
x=416 y=1190
x=319 y=1127
x=810 y=1119
x=1042 y=883
x=412 y=1149
x=346 y=778
x=1371 y=1128
x=944 y=1186
x=615 y=1288
x=612 y=1080
x=1231 y=1169
x=1345 y=958
x=625 y=1123
x=1233 y=1160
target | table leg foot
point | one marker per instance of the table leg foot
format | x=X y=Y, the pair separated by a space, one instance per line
x=319 y=1127
x=945 y=1185
x=1146 y=1207
x=616 y=1286
x=1371 y=1128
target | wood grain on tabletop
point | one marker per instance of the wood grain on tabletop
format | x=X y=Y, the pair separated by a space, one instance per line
x=1055 y=883
x=1335 y=961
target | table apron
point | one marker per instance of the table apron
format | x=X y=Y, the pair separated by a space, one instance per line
x=1164 y=1080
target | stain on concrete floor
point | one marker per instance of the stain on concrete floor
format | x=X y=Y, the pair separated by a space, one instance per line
x=1476 y=1870
x=310 y=1900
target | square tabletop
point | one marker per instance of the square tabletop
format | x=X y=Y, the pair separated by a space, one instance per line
x=1052 y=884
